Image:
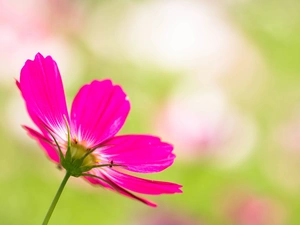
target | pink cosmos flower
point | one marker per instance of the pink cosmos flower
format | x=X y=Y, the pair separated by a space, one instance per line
x=167 y=217
x=255 y=210
x=84 y=142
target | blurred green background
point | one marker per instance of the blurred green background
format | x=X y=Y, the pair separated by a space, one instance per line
x=218 y=79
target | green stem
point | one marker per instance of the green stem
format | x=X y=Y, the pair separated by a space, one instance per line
x=55 y=200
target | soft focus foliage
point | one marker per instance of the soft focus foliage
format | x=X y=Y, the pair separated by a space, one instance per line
x=219 y=79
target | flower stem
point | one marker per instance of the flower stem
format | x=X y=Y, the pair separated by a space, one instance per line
x=55 y=200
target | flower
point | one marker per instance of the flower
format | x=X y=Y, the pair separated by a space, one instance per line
x=204 y=125
x=249 y=208
x=168 y=216
x=84 y=142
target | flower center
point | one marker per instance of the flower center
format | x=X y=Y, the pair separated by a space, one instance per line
x=78 y=151
x=78 y=159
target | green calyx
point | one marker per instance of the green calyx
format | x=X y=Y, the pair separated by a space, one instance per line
x=77 y=160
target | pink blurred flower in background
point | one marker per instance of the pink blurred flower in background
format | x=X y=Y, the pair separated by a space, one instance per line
x=92 y=150
x=288 y=133
x=247 y=208
x=24 y=30
x=168 y=217
x=203 y=124
x=283 y=151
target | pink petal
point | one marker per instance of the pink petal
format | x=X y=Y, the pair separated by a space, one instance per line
x=96 y=181
x=117 y=188
x=44 y=142
x=141 y=185
x=99 y=111
x=139 y=153
x=42 y=89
